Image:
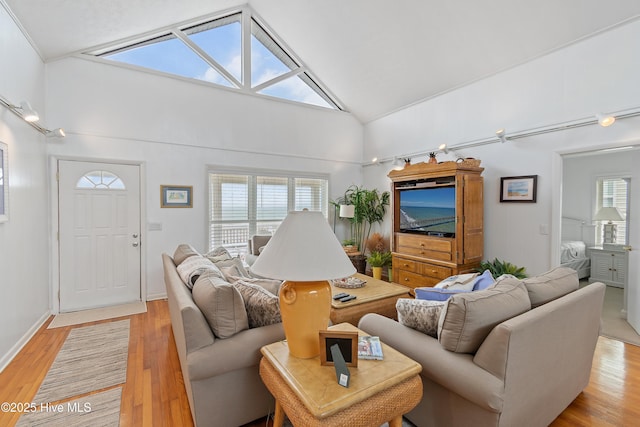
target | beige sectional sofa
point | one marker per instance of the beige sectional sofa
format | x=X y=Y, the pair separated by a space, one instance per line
x=220 y=374
x=481 y=370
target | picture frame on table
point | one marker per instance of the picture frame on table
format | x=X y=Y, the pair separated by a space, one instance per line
x=176 y=196
x=347 y=342
x=518 y=189
x=4 y=183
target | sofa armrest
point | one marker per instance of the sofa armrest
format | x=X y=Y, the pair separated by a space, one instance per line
x=239 y=351
x=454 y=371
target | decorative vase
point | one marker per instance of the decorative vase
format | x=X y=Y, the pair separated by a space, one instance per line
x=433 y=160
x=377 y=272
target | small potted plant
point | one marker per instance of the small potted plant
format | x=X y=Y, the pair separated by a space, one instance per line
x=498 y=268
x=432 y=157
x=377 y=260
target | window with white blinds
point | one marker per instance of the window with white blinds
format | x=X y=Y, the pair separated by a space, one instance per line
x=243 y=203
x=612 y=192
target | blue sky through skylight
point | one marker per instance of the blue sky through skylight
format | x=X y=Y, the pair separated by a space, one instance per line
x=223 y=44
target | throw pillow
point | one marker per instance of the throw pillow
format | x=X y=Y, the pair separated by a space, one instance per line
x=435 y=294
x=193 y=267
x=183 y=252
x=483 y=281
x=467 y=318
x=263 y=307
x=222 y=306
x=420 y=315
x=271 y=285
x=551 y=285
x=463 y=282
x=232 y=267
x=219 y=251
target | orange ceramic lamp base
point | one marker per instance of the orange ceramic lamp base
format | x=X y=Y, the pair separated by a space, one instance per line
x=305 y=309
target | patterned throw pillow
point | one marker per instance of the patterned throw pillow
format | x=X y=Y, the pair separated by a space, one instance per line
x=196 y=266
x=421 y=315
x=263 y=307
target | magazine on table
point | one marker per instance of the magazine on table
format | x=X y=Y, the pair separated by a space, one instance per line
x=369 y=348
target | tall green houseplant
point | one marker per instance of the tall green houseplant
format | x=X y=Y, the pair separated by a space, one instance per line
x=370 y=207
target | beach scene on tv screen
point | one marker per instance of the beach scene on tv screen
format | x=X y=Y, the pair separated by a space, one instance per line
x=428 y=210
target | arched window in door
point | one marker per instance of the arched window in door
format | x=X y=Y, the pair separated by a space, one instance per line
x=100 y=180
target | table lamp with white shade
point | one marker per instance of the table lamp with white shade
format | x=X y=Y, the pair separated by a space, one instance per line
x=306 y=254
x=609 y=229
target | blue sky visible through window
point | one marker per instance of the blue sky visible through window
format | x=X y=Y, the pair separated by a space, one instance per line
x=222 y=41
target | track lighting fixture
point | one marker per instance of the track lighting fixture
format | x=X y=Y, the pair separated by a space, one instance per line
x=56 y=133
x=605 y=121
x=443 y=148
x=500 y=133
x=397 y=164
x=28 y=114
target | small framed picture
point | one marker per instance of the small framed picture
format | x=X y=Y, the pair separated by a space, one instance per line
x=518 y=188
x=176 y=196
x=347 y=342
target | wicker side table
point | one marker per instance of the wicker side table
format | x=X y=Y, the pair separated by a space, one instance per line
x=379 y=391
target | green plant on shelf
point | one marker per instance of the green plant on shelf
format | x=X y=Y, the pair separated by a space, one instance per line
x=498 y=268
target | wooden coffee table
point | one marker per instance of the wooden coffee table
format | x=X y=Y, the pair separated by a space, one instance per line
x=309 y=394
x=377 y=296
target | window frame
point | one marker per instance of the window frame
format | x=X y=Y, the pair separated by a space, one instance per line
x=598 y=203
x=252 y=214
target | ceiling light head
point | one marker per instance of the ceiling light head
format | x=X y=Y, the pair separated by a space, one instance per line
x=605 y=121
x=443 y=148
x=501 y=133
x=56 y=133
x=28 y=114
x=397 y=164
x=374 y=160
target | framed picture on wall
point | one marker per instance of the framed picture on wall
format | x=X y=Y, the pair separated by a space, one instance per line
x=4 y=183
x=518 y=188
x=176 y=196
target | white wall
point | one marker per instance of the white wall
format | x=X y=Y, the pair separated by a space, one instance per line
x=176 y=129
x=597 y=75
x=24 y=239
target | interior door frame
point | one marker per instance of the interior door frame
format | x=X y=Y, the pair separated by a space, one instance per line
x=53 y=238
x=557 y=162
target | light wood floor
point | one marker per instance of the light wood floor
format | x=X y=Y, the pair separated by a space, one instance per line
x=154 y=392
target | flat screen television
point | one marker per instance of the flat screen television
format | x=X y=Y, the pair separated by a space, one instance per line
x=430 y=211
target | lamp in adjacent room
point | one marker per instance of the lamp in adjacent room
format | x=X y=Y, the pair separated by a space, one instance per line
x=609 y=229
x=306 y=254
x=347 y=211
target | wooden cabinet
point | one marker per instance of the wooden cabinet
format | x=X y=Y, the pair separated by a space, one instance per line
x=422 y=257
x=608 y=266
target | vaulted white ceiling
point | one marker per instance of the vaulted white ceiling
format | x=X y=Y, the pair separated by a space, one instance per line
x=375 y=56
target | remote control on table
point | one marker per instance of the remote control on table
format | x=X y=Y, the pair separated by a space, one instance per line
x=340 y=295
x=348 y=298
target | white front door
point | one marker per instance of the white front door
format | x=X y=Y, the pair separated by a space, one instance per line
x=632 y=292
x=99 y=234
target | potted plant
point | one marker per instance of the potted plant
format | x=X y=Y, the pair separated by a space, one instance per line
x=432 y=157
x=498 y=268
x=377 y=260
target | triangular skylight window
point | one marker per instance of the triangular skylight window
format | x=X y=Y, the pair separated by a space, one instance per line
x=213 y=52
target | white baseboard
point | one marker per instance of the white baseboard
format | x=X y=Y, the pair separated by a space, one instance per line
x=153 y=297
x=7 y=358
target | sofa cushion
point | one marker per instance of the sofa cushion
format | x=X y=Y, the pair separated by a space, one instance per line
x=263 y=307
x=551 y=285
x=222 y=306
x=183 y=252
x=420 y=315
x=467 y=318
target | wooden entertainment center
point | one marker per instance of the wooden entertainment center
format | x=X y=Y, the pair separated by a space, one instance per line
x=422 y=257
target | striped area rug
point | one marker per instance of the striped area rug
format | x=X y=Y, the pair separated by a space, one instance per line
x=96 y=410
x=92 y=358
